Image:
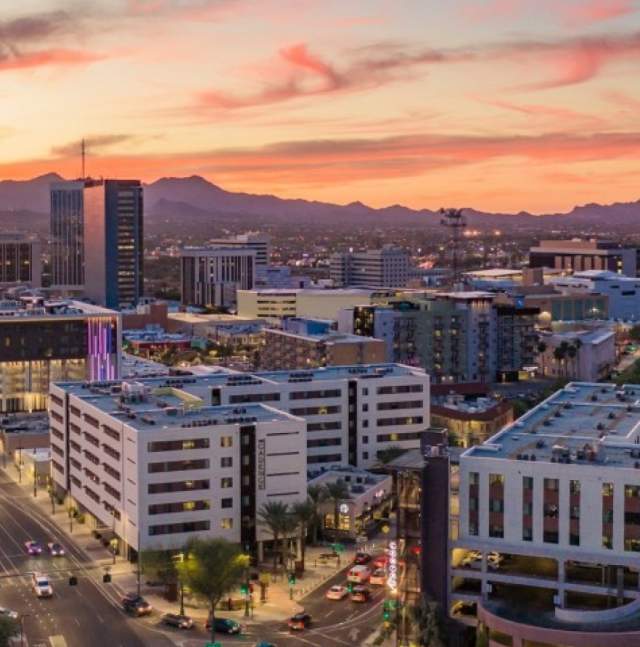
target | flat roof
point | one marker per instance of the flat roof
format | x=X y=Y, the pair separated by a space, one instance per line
x=49 y=308
x=583 y=423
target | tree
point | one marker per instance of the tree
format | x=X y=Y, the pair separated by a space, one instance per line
x=388 y=455
x=8 y=629
x=304 y=513
x=337 y=492
x=273 y=516
x=317 y=495
x=212 y=568
x=634 y=333
x=425 y=619
x=161 y=565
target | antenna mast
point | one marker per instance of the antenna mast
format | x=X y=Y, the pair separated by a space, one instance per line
x=456 y=223
x=83 y=152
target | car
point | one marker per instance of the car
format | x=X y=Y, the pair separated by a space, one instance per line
x=33 y=547
x=381 y=561
x=299 y=622
x=8 y=613
x=359 y=574
x=177 y=620
x=136 y=605
x=362 y=558
x=463 y=608
x=360 y=594
x=336 y=592
x=378 y=577
x=494 y=559
x=55 y=549
x=471 y=558
x=225 y=625
x=41 y=586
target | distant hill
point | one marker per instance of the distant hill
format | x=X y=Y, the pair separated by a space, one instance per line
x=195 y=199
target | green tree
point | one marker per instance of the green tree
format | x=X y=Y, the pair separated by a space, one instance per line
x=318 y=495
x=425 y=621
x=161 y=565
x=304 y=513
x=337 y=492
x=634 y=333
x=274 y=516
x=212 y=568
x=388 y=455
x=8 y=629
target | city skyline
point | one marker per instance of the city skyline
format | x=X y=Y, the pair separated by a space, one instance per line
x=423 y=105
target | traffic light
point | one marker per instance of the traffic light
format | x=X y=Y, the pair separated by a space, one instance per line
x=244 y=589
x=73 y=581
x=350 y=587
x=292 y=579
x=386 y=615
x=106 y=578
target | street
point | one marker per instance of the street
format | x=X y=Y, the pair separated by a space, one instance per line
x=86 y=614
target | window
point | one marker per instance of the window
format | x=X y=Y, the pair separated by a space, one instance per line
x=365 y=407
x=551 y=485
x=527 y=482
x=226 y=441
x=226 y=524
x=403 y=404
x=176 y=528
x=403 y=388
x=365 y=456
x=392 y=422
x=179 y=466
x=574 y=487
x=226 y=503
x=226 y=461
x=178 y=486
x=365 y=440
x=179 y=506
x=178 y=445
x=226 y=482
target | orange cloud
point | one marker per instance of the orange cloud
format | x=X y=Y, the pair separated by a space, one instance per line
x=592 y=11
x=50 y=57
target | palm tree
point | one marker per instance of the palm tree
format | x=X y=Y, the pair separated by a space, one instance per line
x=274 y=517
x=304 y=512
x=317 y=495
x=559 y=353
x=289 y=528
x=337 y=492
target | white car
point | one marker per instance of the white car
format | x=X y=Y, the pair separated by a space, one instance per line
x=359 y=574
x=494 y=560
x=337 y=592
x=378 y=577
x=55 y=549
x=471 y=558
x=41 y=586
x=8 y=613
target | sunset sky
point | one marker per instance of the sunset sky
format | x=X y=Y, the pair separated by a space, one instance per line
x=496 y=104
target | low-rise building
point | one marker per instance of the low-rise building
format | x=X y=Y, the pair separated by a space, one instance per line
x=369 y=499
x=23 y=431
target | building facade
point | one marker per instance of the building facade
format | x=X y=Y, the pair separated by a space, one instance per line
x=211 y=276
x=577 y=255
x=113 y=240
x=159 y=466
x=517 y=340
x=20 y=261
x=388 y=267
x=43 y=342
x=549 y=525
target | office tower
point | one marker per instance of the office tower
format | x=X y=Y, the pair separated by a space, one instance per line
x=211 y=276
x=67 y=235
x=577 y=255
x=386 y=267
x=546 y=551
x=113 y=242
x=261 y=243
x=44 y=341
x=20 y=261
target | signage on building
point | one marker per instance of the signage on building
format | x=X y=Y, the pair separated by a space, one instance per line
x=392 y=577
x=260 y=467
x=344 y=508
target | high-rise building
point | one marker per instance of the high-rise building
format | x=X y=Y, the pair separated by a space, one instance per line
x=387 y=267
x=577 y=255
x=45 y=341
x=211 y=276
x=20 y=261
x=113 y=242
x=261 y=243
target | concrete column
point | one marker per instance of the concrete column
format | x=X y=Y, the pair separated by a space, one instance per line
x=260 y=552
x=298 y=549
x=561 y=582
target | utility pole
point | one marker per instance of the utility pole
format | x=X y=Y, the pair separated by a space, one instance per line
x=455 y=221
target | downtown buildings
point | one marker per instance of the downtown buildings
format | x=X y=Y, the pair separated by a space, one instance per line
x=166 y=458
x=388 y=267
x=97 y=240
x=20 y=261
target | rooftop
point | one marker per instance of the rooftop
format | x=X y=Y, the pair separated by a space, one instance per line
x=40 y=307
x=583 y=424
x=359 y=481
x=331 y=337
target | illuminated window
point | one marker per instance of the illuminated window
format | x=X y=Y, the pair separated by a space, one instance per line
x=226 y=441
x=226 y=524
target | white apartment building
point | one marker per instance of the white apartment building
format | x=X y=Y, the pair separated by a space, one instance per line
x=211 y=276
x=623 y=292
x=388 y=267
x=552 y=505
x=159 y=466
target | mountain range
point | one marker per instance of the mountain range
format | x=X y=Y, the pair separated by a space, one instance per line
x=195 y=198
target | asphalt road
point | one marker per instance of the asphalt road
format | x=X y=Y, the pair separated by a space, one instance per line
x=76 y=616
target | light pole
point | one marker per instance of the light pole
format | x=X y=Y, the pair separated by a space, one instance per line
x=20 y=463
x=70 y=514
x=35 y=479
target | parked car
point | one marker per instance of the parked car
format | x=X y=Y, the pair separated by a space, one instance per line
x=463 y=608
x=362 y=558
x=471 y=558
x=299 y=622
x=381 y=561
x=8 y=613
x=494 y=560
x=55 y=549
x=176 y=620
x=225 y=626
x=359 y=574
x=360 y=594
x=136 y=605
x=378 y=577
x=41 y=586
x=33 y=547
x=336 y=592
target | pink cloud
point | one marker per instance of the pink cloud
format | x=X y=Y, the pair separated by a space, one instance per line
x=592 y=11
x=566 y=116
x=49 y=57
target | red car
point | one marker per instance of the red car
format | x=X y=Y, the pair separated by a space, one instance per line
x=362 y=558
x=381 y=562
x=299 y=622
